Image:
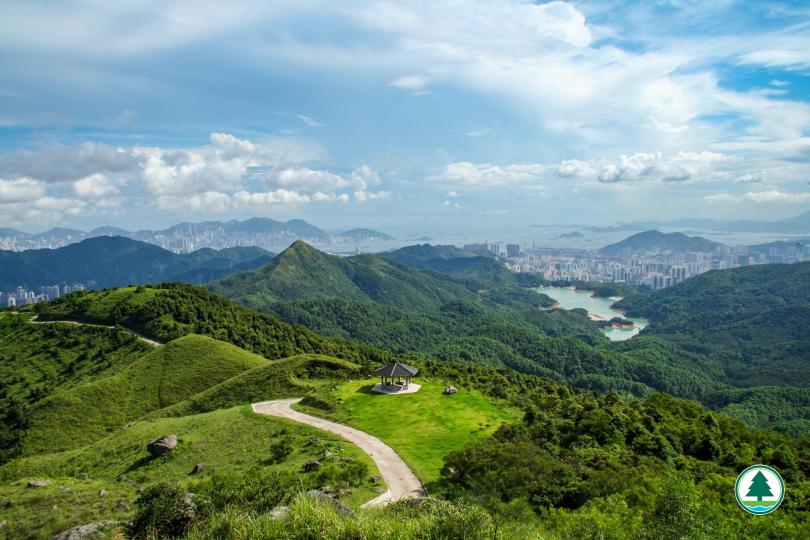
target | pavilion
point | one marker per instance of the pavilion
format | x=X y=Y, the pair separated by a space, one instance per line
x=394 y=373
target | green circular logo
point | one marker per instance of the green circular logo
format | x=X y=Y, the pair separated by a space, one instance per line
x=759 y=490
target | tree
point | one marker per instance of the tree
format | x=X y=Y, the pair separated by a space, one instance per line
x=759 y=487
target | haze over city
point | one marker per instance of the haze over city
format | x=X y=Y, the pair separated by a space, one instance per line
x=403 y=117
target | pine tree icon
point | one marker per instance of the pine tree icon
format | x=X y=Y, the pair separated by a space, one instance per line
x=759 y=487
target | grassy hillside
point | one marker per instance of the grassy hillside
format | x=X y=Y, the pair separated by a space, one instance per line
x=285 y=378
x=171 y=310
x=422 y=427
x=163 y=377
x=38 y=360
x=228 y=442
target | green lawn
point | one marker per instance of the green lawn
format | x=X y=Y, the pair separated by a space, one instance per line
x=422 y=427
x=229 y=440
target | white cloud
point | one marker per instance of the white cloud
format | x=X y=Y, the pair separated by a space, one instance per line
x=487 y=174
x=721 y=198
x=307 y=179
x=93 y=186
x=750 y=178
x=20 y=190
x=478 y=132
x=410 y=82
x=309 y=121
x=363 y=196
x=452 y=194
x=644 y=166
x=760 y=197
x=574 y=168
x=776 y=196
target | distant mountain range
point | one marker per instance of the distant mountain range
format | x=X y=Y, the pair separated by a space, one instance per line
x=116 y=261
x=186 y=237
x=657 y=241
x=797 y=224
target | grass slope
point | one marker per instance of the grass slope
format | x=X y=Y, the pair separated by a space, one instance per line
x=227 y=441
x=161 y=378
x=422 y=427
x=285 y=378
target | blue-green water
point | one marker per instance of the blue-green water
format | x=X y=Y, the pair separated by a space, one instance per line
x=598 y=308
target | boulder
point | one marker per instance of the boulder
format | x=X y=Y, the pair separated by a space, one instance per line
x=121 y=506
x=374 y=479
x=88 y=531
x=103 y=493
x=279 y=512
x=162 y=445
x=38 y=483
x=341 y=508
x=197 y=468
x=450 y=390
x=310 y=466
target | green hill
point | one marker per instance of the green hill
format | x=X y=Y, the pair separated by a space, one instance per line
x=753 y=320
x=658 y=241
x=163 y=377
x=301 y=272
x=457 y=261
x=171 y=310
x=109 y=261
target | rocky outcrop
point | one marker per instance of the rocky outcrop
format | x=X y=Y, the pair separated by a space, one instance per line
x=38 y=483
x=162 y=445
x=88 y=531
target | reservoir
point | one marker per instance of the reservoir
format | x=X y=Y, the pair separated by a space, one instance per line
x=597 y=308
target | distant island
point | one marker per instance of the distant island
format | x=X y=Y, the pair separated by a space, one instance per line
x=657 y=241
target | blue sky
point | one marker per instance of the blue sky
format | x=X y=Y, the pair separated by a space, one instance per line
x=402 y=116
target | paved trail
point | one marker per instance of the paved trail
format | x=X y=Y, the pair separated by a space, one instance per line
x=401 y=481
x=133 y=332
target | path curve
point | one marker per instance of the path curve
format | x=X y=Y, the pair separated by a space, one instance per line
x=401 y=481
x=143 y=338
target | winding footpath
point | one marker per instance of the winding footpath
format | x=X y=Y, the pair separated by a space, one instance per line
x=143 y=338
x=401 y=481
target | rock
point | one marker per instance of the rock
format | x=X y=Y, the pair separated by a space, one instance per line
x=450 y=390
x=2 y=524
x=103 y=493
x=55 y=508
x=310 y=466
x=197 y=468
x=120 y=478
x=83 y=476
x=327 y=453
x=122 y=506
x=342 y=509
x=279 y=512
x=6 y=504
x=374 y=479
x=88 y=531
x=162 y=445
x=38 y=483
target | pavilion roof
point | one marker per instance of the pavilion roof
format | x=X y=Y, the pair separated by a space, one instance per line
x=397 y=369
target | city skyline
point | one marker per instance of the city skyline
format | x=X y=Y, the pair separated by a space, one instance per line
x=386 y=115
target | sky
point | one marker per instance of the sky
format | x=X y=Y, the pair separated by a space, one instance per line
x=402 y=116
